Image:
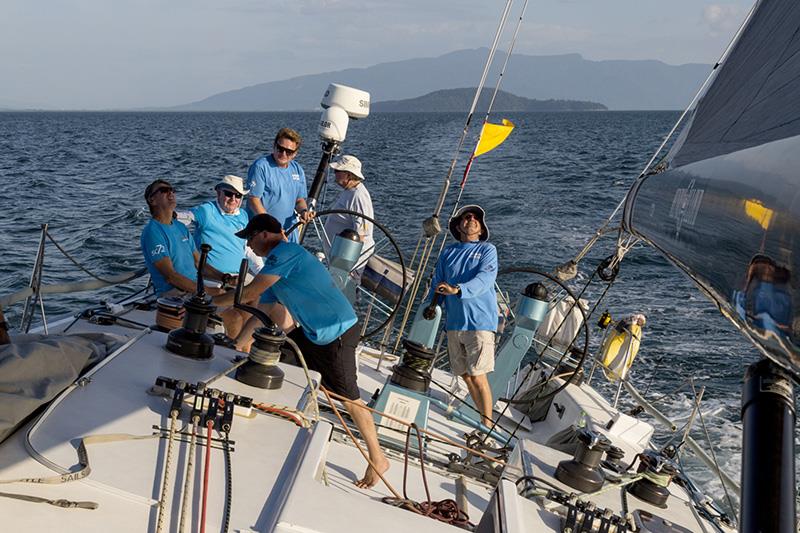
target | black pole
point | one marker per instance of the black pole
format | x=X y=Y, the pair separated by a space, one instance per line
x=768 y=418
x=328 y=149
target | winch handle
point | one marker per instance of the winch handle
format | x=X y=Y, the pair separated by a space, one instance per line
x=201 y=265
x=430 y=312
x=237 y=298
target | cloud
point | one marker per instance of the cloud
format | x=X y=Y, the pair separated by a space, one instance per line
x=723 y=18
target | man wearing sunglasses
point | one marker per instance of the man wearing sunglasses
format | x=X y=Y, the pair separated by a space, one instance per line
x=465 y=275
x=278 y=184
x=215 y=223
x=169 y=251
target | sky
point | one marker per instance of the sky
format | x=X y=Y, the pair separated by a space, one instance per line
x=115 y=54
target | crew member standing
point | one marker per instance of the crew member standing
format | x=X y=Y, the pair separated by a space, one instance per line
x=278 y=183
x=465 y=274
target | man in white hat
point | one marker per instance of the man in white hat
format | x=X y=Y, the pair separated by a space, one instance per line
x=354 y=197
x=216 y=223
x=465 y=276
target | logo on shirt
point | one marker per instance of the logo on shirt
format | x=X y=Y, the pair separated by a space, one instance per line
x=271 y=260
x=252 y=184
x=295 y=176
x=159 y=249
x=475 y=255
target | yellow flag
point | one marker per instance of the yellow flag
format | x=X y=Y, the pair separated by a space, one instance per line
x=756 y=210
x=492 y=136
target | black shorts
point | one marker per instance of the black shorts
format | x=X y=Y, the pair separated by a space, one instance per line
x=335 y=361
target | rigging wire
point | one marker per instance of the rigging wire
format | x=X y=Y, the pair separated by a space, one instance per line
x=714 y=457
x=431 y=226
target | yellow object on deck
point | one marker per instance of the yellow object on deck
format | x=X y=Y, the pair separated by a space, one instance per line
x=620 y=349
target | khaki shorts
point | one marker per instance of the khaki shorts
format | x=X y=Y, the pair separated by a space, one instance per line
x=471 y=352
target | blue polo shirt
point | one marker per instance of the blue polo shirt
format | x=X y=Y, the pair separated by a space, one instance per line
x=307 y=290
x=278 y=189
x=473 y=267
x=215 y=227
x=168 y=240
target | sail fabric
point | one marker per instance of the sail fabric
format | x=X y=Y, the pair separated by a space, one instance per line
x=492 y=136
x=753 y=99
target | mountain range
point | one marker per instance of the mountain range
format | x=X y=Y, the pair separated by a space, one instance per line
x=457 y=100
x=617 y=84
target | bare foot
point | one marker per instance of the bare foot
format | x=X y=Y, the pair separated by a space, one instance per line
x=371 y=477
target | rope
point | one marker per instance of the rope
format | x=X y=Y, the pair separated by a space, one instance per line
x=284 y=412
x=226 y=446
x=64 y=504
x=164 y=499
x=446 y=510
x=187 y=481
x=355 y=441
x=314 y=390
x=74 y=261
x=438 y=437
x=206 y=468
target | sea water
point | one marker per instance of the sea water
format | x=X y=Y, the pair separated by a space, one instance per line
x=545 y=190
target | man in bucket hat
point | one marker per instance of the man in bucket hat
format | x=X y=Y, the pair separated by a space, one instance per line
x=465 y=276
x=327 y=333
x=354 y=197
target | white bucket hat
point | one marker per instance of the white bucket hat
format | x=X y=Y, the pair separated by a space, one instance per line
x=232 y=182
x=348 y=163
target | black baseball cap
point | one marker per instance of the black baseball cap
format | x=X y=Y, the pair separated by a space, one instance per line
x=258 y=223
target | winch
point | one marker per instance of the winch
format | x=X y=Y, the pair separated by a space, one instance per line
x=582 y=472
x=261 y=369
x=191 y=340
x=657 y=475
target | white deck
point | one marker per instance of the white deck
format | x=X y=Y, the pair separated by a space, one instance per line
x=285 y=478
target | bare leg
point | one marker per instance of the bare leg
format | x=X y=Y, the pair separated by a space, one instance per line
x=482 y=396
x=366 y=426
x=232 y=320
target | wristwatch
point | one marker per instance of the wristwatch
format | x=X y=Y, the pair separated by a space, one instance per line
x=458 y=290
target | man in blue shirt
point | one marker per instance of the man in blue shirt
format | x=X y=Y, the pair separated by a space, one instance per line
x=278 y=184
x=294 y=281
x=465 y=275
x=216 y=223
x=169 y=251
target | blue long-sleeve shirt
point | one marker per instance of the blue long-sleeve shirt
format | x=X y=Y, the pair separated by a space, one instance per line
x=473 y=267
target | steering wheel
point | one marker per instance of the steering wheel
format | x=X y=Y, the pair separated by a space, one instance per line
x=375 y=305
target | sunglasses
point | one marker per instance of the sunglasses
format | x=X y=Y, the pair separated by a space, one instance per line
x=165 y=190
x=469 y=216
x=287 y=151
x=231 y=194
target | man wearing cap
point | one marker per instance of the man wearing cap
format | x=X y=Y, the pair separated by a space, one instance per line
x=465 y=275
x=216 y=222
x=293 y=280
x=169 y=251
x=278 y=184
x=354 y=197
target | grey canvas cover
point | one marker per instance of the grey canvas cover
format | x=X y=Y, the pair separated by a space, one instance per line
x=753 y=99
x=35 y=368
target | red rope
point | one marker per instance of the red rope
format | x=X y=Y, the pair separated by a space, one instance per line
x=209 y=425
